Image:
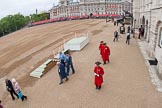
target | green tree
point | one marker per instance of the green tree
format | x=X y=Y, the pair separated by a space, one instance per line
x=12 y=23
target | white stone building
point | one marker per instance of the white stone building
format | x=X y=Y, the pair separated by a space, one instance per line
x=149 y=14
x=67 y=8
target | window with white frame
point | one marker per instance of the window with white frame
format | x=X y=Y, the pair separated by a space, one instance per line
x=160 y=38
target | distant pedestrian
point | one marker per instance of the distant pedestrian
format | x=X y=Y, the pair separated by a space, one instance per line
x=10 y=89
x=129 y=29
x=62 y=72
x=105 y=53
x=101 y=46
x=1 y=104
x=115 y=36
x=128 y=38
x=139 y=34
x=142 y=31
x=114 y=23
x=98 y=72
x=117 y=22
x=69 y=64
x=18 y=90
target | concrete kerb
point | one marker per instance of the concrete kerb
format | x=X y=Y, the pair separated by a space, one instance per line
x=151 y=69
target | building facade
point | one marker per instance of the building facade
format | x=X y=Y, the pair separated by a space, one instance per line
x=67 y=8
x=149 y=14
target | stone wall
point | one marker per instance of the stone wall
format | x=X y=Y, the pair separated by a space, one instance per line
x=151 y=11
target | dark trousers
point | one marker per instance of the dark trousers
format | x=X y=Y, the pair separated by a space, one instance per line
x=128 y=41
x=12 y=93
x=115 y=38
x=68 y=69
x=62 y=77
x=98 y=87
x=139 y=36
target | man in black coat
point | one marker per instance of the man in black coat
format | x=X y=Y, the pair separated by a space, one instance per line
x=69 y=64
x=10 y=89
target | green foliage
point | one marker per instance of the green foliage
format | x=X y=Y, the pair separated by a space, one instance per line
x=12 y=23
x=39 y=17
x=15 y=22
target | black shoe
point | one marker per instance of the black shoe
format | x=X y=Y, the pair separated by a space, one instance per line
x=96 y=87
x=25 y=97
x=73 y=73
x=104 y=63
x=60 y=83
x=13 y=98
x=99 y=88
x=67 y=79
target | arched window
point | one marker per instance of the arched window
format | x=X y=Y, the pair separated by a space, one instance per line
x=160 y=38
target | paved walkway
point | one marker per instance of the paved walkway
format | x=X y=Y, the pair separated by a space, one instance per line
x=127 y=83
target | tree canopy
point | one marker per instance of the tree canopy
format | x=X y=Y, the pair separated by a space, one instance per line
x=15 y=22
x=12 y=23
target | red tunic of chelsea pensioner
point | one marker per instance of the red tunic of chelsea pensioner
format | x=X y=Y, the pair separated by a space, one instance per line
x=105 y=53
x=98 y=71
x=101 y=47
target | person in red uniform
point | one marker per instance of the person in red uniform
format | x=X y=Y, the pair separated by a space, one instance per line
x=101 y=46
x=105 y=53
x=98 y=72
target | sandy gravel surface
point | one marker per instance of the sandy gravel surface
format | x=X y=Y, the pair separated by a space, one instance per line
x=126 y=81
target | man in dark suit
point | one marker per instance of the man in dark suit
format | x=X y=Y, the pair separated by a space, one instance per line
x=69 y=64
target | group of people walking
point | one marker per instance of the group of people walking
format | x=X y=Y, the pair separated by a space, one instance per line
x=104 y=52
x=122 y=31
x=64 y=65
x=13 y=88
x=98 y=70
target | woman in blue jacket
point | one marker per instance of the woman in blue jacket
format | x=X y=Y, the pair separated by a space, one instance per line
x=62 y=72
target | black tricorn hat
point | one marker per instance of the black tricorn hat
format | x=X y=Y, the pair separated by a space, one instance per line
x=97 y=63
x=104 y=43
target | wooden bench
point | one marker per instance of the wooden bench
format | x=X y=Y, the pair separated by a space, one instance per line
x=42 y=69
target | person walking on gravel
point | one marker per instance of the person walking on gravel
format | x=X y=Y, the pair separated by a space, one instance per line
x=128 y=38
x=10 y=89
x=98 y=73
x=62 y=72
x=115 y=36
x=18 y=90
x=101 y=47
x=105 y=53
x=69 y=63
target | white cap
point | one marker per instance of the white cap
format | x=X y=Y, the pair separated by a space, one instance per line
x=13 y=80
